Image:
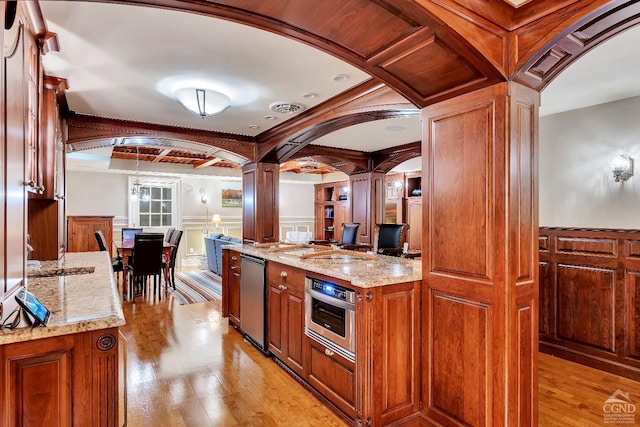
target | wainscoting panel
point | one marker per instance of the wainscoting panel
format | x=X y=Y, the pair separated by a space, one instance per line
x=590 y=297
x=460 y=339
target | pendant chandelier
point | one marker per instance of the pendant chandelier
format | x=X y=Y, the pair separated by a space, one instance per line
x=136 y=192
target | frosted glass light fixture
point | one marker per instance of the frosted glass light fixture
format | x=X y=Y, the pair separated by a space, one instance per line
x=622 y=167
x=204 y=102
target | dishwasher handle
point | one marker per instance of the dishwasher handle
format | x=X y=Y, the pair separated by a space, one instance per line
x=249 y=258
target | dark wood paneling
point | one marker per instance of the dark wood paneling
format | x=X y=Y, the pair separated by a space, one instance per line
x=633 y=307
x=249 y=207
x=460 y=191
x=260 y=201
x=547 y=310
x=400 y=349
x=601 y=247
x=586 y=303
x=459 y=336
x=589 y=297
x=479 y=264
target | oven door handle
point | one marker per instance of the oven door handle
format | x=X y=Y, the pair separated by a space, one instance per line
x=329 y=300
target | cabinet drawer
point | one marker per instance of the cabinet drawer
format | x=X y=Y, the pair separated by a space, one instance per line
x=291 y=277
x=333 y=376
x=234 y=261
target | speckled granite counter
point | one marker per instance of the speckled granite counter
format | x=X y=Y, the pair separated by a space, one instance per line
x=361 y=272
x=78 y=302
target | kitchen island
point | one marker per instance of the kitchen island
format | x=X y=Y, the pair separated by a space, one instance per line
x=366 y=368
x=70 y=371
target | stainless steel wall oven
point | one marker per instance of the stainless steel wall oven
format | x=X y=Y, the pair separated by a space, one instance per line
x=330 y=316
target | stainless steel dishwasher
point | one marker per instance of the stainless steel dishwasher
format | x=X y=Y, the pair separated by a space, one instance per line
x=252 y=300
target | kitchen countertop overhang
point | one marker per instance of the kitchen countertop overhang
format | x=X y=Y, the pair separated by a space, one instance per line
x=78 y=302
x=360 y=271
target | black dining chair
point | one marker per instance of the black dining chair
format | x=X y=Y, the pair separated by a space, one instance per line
x=146 y=263
x=391 y=238
x=175 y=241
x=116 y=263
x=130 y=232
x=348 y=235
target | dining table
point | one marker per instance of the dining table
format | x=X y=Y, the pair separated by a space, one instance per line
x=125 y=249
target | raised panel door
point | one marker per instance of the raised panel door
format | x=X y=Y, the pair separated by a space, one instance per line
x=15 y=159
x=414 y=218
x=333 y=376
x=341 y=215
x=275 y=314
x=39 y=382
x=234 y=296
x=294 y=298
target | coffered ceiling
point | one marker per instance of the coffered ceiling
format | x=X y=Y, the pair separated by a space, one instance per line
x=117 y=57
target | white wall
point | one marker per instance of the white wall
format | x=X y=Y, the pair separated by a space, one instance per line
x=576 y=186
x=101 y=193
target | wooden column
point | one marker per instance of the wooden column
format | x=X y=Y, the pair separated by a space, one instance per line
x=480 y=300
x=260 y=200
x=367 y=202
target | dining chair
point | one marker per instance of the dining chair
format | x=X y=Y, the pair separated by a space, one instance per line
x=391 y=238
x=175 y=241
x=167 y=236
x=348 y=236
x=147 y=261
x=116 y=263
x=130 y=232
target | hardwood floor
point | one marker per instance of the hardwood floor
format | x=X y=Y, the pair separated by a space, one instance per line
x=187 y=367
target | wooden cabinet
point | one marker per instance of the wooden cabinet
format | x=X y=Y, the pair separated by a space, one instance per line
x=66 y=380
x=414 y=219
x=590 y=297
x=81 y=229
x=333 y=376
x=234 y=287
x=331 y=209
x=14 y=151
x=285 y=315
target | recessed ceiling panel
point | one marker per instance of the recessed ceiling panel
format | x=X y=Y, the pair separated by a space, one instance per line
x=374 y=136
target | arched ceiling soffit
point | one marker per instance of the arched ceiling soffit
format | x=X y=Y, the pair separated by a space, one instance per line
x=595 y=25
x=347 y=161
x=369 y=101
x=86 y=132
x=430 y=51
x=385 y=160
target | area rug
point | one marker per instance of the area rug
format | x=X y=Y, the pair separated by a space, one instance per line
x=197 y=286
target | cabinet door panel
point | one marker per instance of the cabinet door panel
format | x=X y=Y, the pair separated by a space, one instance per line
x=15 y=160
x=39 y=383
x=295 y=331
x=234 y=297
x=333 y=376
x=275 y=312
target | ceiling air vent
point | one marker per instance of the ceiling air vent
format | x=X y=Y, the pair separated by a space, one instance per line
x=286 y=107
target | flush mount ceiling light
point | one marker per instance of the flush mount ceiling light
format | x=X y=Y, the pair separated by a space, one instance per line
x=204 y=102
x=622 y=167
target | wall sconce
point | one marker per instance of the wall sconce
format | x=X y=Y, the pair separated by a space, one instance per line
x=204 y=199
x=622 y=167
x=397 y=185
x=216 y=220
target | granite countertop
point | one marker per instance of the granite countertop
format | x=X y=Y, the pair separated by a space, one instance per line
x=79 y=300
x=359 y=269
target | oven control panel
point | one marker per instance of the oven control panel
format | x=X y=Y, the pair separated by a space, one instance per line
x=332 y=290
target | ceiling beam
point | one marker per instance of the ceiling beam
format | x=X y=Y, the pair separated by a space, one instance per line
x=163 y=153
